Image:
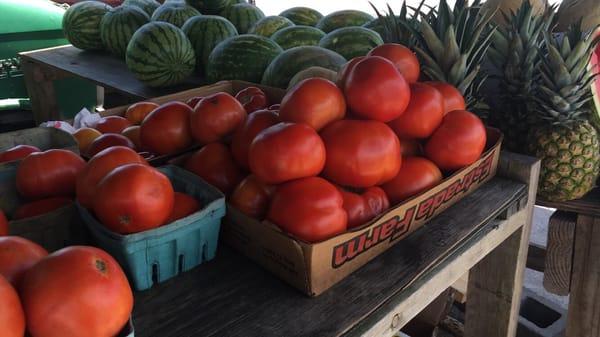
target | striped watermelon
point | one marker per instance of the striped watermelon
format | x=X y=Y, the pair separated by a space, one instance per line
x=176 y=13
x=351 y=42
x=81 y=24
x=149 y=6
x=160 y=55
x=290 y=62
x=205 y=32
x=302 y=16
x=269 y=25
x=210 y=6
x=345 y=18
x=118 y=25
x=296 y=36
x=243 y=57
x=243 y=16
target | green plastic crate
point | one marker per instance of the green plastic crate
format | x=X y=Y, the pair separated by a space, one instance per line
x=159 y=254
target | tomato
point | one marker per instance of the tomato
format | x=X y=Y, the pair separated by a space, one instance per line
x=215 y=117
x=214 y=163
x=361 y=153
x=136 y=113
x=252 y=99
x=453 y=99
x=247 y=131
x=3 y=224
x=166 y=130
x=133 y=133
x=403 y=58
x=416 y=175
x=184 y=205
x=310 y=209
x=133 y=198
x=376 y=90
x=112 y=124
x=17 y=255
x=252 y=197
x=85 y=137
x=98 y=167
x=343 y=73
x=192 y=102
x=362 y=208
x=12 y=318
x=423 y=115
x=49 y=174
x=40 y=207
x=17 y=152
x=76 y=290
x=286 y=151
x=108 y=140
x=315 y=102
x=410 y=147
x=275 y=107
x=458 y=142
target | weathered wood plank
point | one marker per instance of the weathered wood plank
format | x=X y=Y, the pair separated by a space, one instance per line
x=536 y=257
x=41 y=93
x=559 y=254
x=588 y=205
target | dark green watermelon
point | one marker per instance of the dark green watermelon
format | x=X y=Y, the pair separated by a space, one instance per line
x=149 y=6
x=345 y=18
x=351 y=42
x=302 y=16
x=243 y=16
x=81 y=24
x=210 y=6
x=176 y=13
x=290 y=62
x=296 y=36
x=206 y=32
x=267 y=26
x=118 y=26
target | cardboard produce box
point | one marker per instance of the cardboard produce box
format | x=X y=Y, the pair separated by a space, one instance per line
x=313 y=268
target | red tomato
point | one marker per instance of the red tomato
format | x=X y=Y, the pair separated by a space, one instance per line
x=76 y=289
x=458 y=142
x=98 y=167
x=133 y=198
x=17 y=152
x=423 y=114
x=453 y=99
x=361 y=153
x=252 y=197
x=252 y=98
x=315 y=102
x=215 y=117
x=12 y=318
x=85 y=137
x=342 y=75
x=310 y=208
x=403 y=58
x=108 y=140
x=376 y=90
x=192 y=102
x=112 y=124
x=49 y=174
x=40 y=207
x=17 y=255
x=166 y=130
x=214 y=163
x=136 y=113
x=133 y=133
x=247 y=131
x=184 y=205
x=416 y=175
x=275 y=107
x=410 y=147
x=362 y=208
x=286 y=151
x=3 y=224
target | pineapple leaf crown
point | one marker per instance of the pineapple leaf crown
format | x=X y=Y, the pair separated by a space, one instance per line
x=393 y=29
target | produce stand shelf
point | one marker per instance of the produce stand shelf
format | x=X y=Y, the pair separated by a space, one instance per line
x=487 y=233
x=42 y=67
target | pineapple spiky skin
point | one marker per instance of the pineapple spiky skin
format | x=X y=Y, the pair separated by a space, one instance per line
x=570 y=156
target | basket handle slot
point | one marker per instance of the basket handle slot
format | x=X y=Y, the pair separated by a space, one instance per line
x=155 y=273
x=180 y=264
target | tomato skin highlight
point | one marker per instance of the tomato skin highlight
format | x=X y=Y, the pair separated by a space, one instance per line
x=17 y=152
x=252 y=99
x=12 y=317
x=108 y=140
x=362 y=208
x=136 y=113
x=247 y=131
x=166 y=129
x=214 y=163
x=423 y=115
x=215 y=117
x=310 y=208
x=17 y=255
x=112 y=124
x=453 y=99
x=252 y=197
x=416 y=175
x=403 y=58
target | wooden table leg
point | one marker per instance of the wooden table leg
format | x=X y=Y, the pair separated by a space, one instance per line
x=584 y=304
x=41 y=92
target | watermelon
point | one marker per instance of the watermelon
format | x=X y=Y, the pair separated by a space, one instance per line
x=345 y=18
x=290 y=62
x=351 y=42
x=118 y=25
x=205 y=32
x=159 y=54
x=210 y=6
x=243 y=57
x=296 y=36
x=269 y=25
x=302 y=16
x=81 y=24
x=149 y=6
x=243 y=16
x=176 y=13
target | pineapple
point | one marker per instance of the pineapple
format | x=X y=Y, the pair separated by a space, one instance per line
x=514 y=54
x=390 y=26
x=564 y=139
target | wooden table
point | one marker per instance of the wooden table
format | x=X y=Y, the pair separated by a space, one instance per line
x=573 y=261
x=42 y=67
x=487 y=233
